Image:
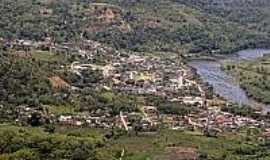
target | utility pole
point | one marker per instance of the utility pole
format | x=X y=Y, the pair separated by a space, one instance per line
x=123 y=121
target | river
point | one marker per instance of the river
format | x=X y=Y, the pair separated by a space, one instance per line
x=223 y=83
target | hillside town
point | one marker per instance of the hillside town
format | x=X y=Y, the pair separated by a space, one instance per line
x=134 y=80
x=138 y=75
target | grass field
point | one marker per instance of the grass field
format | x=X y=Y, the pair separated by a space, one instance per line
x=47 y=56
x=155 y=147
x=166 y=144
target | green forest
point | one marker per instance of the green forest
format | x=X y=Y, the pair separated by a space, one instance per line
x=139 y=25
x=89 y=144
x=40 y=86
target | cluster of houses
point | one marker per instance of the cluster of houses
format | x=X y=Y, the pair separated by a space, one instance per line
x=213 y=118
x=148 y=120
x=163 y=77
x=138 y=74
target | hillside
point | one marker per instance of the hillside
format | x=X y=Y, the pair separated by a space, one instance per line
x=88 y=144
x=160 y=25
x=109 y=80
x=253 y=14
x=253 y=77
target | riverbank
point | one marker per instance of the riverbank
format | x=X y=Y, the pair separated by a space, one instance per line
x=253 y=77
x=223 y=83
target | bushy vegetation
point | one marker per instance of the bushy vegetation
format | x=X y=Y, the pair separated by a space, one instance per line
x=245 y=111
x=37 y=79
x=25 y=81
x=81 y=144
x=251 y=13
x=227 y=146
x=253 y=77
x=159 y=25
x=36 y=144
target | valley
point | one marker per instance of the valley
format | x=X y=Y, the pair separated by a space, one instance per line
x=134 y=80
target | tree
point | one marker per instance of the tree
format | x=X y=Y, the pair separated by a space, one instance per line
x=35 y=119
x=49 y=128
x=25 y=154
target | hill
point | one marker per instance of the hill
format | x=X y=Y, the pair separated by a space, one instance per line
x=144 y=26
x=107 y=79
x=251 y=13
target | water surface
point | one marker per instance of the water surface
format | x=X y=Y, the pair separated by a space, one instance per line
x=224 y=84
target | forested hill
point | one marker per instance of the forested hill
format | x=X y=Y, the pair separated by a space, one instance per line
x=254 y=14
x=100 y=80
x=190 y=26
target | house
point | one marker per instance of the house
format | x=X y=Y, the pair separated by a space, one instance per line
x=45 y=12
x=150 y=110
x=193 y=101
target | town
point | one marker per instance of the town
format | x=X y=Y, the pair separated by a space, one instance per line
x=134 y=80
x=139 y=75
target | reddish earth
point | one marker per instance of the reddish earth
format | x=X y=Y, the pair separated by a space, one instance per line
x=58 y=83
x=103 y=17
x=181 y=153
x=22 y=54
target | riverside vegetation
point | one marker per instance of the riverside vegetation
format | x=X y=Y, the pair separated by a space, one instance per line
x=253 y=77
x=65 y=104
